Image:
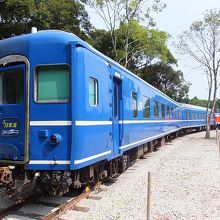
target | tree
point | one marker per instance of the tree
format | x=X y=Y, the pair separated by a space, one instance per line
x=153 y=63
x=144 y=46
x=167 y=80
x=15 y=17
x=198 y=102
x=101 y=40
x=117 y=13
x=202 y=43
x=18 y=16
x=141 y=45
x=63 y=15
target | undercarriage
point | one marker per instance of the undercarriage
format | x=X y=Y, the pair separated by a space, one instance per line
x=20 y=183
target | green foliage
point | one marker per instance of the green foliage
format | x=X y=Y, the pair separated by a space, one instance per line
x=198 y=102
x=18 y=16
x=126 y=10
x=143 y=45
x=167 y=80
x=203 y=102
x=157 y=46
x=101 y=40
x=122 y=18
x=15 y=16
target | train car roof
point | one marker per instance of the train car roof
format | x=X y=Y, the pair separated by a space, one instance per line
x=24 y=41
x=193 y=107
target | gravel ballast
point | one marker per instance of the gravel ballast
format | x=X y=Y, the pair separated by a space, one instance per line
x=185 y=185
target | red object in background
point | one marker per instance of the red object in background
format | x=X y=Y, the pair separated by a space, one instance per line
x=217 y=118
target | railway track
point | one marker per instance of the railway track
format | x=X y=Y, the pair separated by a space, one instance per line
x=44 y=208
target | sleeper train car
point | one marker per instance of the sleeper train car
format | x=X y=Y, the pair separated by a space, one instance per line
x=70 y=115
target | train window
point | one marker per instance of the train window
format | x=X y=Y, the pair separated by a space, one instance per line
x=52 y=84
x=134 y=104
x=93 y=91
x=162 y=110
x=11 y=86
x=156 y=109
x=172 y=113
x=178 y=115
x=146 y=110
x=187 y=116
x=168 y=111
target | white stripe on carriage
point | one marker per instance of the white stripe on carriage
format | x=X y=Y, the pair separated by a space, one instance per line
x=192 y=126
x=50 y=123
x=46 y=162
x=159 y=135
x=92 y=157
x=155 y=121
x=146 y=121
x=92 y=123
x=89 y=123
x=147 y=139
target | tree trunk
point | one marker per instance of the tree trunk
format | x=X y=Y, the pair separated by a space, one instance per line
x=207 y=135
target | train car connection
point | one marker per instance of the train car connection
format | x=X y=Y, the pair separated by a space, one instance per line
x=70 y=115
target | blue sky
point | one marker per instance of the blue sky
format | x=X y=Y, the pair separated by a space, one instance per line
x=174 y=19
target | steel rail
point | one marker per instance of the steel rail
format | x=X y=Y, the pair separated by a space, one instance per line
x=60 y=210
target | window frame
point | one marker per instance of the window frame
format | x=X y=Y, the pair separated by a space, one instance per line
x=136 y=100
x=36 y=86
x=187 y=115
x=96 y=91
x=147 y=99
x=168 y=112
x=163 y=113
x=156 y=103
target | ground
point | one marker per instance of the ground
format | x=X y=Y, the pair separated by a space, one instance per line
x=185 y=185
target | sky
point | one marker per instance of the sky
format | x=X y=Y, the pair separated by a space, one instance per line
x=174 y=19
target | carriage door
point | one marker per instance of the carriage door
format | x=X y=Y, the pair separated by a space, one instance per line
x=12 y=113
x=117 y=107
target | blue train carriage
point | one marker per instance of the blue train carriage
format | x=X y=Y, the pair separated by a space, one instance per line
x=194 y=117
x=69 y=115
